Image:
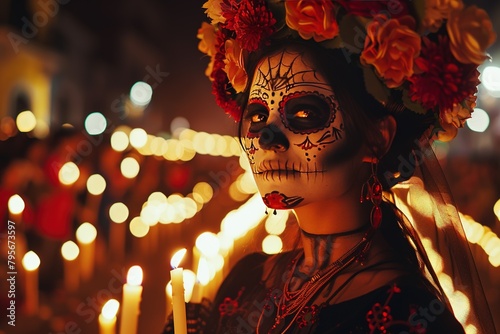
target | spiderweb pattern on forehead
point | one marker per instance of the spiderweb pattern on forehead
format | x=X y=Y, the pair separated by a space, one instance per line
x=282 y=76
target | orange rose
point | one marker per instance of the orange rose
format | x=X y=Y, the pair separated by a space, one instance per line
x=391 y=46
x=206 y=35
x=234 y=65
x=436 y=11
x=312 y=18
x=471 y=33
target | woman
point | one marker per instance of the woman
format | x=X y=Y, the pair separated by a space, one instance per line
x=331 y=98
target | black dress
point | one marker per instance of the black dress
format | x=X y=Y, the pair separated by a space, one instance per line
x=243 y=303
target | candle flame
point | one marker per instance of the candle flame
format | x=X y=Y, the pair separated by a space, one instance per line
x=134 y=275
x=110 y=309
x=31 y=261
x=177 y=257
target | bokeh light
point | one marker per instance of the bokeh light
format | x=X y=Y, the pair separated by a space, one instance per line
x=69 y=173
x=25 y=121
x=8 y=127
x=96 y=184
x=178 y=125
x=119 y=141
x=95 y=123
x=490 y=78
x=203 y=191
x=86 y=233
x=138 y=228
x=141 y=93
x=118 y=212
x=208 y=244
x=138 y=137
x=70 y=250
x=129 y=167
x=110 y=309
x=479 y=120
x=272 y=244
x=16 y=204
x=31 y=261
x=496 y=209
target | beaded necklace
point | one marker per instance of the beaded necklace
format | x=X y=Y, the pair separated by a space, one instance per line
x=293 y=302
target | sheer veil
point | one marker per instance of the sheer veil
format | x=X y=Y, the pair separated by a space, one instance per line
x=427 y=204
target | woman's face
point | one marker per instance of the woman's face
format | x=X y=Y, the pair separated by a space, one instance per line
x=293 y=133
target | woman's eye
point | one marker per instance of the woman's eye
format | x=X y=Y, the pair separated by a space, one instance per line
x=257 y=118
x=303 y=113
x=307 y=113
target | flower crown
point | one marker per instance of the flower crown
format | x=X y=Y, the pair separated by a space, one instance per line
x=429 y=50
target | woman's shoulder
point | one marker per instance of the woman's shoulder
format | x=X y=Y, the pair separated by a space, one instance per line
x=405 y=305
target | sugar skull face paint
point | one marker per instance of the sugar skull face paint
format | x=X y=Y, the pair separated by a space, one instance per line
x=292 y=129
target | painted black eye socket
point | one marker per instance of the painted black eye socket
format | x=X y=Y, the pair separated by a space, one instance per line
x=256 y=115
x=307 y=113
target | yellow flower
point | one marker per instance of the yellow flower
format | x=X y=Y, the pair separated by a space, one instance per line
x=436 y=11
x=206 y=35
x=471 y=33
x=391 y=46
x=234 y=65
x=214 y=11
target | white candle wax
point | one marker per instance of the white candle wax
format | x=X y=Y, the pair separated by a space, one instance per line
x=178 y=302
x=132 y=291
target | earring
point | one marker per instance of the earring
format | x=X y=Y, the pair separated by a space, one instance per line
x=372 y=191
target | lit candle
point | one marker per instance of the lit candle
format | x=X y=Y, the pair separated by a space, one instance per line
x=118 y=213
x=16 y=207
x=31 y=262
x=168 y=295
x=132 y=291
x=70 y=251
x=107 y=318
x=86 y=235
x=178 y=301
x=202 y=278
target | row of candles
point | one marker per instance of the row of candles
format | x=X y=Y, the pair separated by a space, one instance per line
x=211 y=254
x=183 y=287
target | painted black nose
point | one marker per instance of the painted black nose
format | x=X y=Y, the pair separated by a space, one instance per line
x=272 y=138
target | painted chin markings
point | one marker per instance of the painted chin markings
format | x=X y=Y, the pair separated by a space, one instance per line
x=277 y=200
